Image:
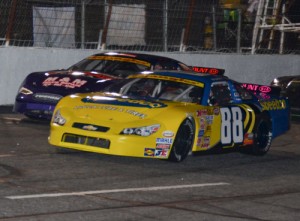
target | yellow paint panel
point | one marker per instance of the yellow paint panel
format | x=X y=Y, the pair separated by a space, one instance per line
x=112 y=58
x=168 y=78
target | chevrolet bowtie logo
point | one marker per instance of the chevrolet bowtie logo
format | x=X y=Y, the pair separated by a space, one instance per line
x=89 y=127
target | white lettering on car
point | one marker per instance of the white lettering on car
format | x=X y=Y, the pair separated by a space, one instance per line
x=231 y=125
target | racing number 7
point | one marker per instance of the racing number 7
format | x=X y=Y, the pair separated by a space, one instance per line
x=231 y=125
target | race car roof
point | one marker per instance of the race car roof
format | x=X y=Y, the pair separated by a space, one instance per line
x=146 y=57
x=156 y=59
x=199 y=77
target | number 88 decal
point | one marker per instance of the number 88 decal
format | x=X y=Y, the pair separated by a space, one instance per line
x=231 y=125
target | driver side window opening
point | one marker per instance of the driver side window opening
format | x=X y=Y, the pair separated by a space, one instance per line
x=168 y=65
x=112 y=67
x=219 y=94
x=244 y=94
x=161 y=89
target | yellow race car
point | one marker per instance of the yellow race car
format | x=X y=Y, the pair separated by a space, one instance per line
x=167 y=115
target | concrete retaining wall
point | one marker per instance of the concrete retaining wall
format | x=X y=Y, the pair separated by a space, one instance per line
x=16 y=63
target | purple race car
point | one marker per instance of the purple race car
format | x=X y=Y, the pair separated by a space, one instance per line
x=40 y=91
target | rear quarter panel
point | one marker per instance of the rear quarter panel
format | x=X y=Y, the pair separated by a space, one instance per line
x=279 y=113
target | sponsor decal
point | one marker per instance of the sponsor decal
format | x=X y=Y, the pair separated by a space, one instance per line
x=63 y=82
x=81 y=107
x=264 y=96
x=45 y=96
x=209 y=119
x=274 y=105
x=199 y=140
x=255 y=87
x=206 y=141
x=111 y=108
x=236 y=95
x=202 y=123
x=164 y=140
x=200 y=113
x=212 y=71
x=163 y=146
x=135 y=113
x=264 y=89
x=200 y=133
x=248 y=139
x=168 y=133
x=216 y=111
x=149 y=152
x=161 y=153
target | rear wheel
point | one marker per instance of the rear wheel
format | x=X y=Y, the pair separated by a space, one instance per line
x=262 y=136
x=183 y=141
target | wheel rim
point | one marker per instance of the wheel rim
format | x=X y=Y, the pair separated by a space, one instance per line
x=263 y=136
x=183 y=140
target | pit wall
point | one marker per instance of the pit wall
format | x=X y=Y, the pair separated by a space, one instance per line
x=16 y=63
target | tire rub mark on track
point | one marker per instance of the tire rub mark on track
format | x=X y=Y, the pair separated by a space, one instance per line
x=8 y=172
x=171 y=205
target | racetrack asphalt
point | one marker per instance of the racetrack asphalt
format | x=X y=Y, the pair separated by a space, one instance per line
x=37 y=183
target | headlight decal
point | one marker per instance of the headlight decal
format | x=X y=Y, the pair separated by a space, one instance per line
x=58 y=118
x=26 y=91
x=141 y=131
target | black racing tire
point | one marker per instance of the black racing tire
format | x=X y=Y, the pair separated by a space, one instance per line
x=262 y=136
x=183 y=142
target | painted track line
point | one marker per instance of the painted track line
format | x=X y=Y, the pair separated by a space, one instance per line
x=155 y=188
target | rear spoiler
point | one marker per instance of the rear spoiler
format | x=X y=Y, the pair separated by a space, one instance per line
x=208 y=70
x=263 y=91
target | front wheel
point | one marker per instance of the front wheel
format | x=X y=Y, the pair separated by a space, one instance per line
x=183 y=141
x=262 y=136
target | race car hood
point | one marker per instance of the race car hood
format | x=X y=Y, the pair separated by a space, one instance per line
x=94 y=74
x=64 y=82
x=120 y=109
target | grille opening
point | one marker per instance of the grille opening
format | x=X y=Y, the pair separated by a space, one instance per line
x=85 y=140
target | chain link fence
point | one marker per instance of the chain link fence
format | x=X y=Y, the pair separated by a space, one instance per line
x=205 y=26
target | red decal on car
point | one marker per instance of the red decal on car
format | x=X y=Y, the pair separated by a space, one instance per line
x=265 y=89
x=63 y=82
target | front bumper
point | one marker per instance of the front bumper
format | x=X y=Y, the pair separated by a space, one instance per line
x=34 y=110
x=108 y=143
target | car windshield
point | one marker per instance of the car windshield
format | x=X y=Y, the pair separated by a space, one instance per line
x=158 y=89
x=122 y=67
x=117 y=67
